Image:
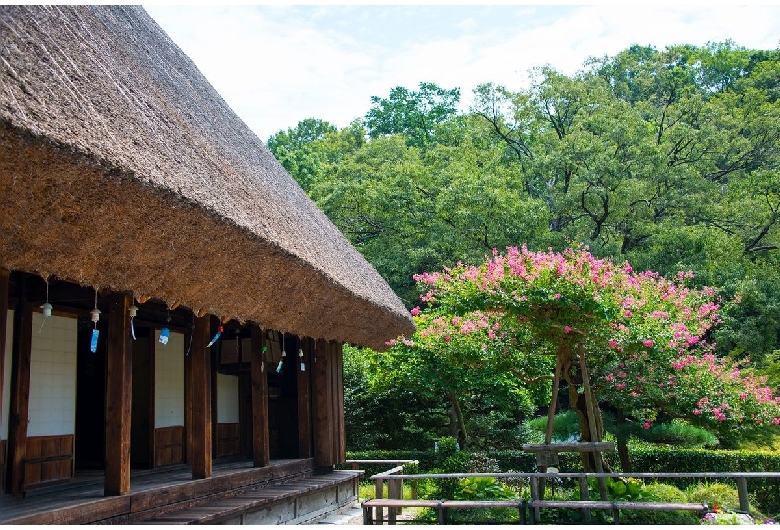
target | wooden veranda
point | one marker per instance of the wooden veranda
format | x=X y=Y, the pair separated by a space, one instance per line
x=169 y=495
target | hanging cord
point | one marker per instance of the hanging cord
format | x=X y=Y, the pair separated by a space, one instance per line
x=192 y=334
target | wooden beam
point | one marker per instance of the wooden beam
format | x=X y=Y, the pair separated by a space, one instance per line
x=200 y=392
x=261 y=448
x=303 y=369
x=119 y=395
x=20 y=394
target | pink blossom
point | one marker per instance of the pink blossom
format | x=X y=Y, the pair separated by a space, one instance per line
x=620 y=386
x=447 y=338
x=415 y=311
x=567 y=329
x=646 y=425
x=613 y=344
x=697 y=412
x=557 y=296
x=610 y=378
x=648 y=343
x=776 y=421
x=628 y=313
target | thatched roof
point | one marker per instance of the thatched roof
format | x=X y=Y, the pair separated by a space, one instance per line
x=121 y=167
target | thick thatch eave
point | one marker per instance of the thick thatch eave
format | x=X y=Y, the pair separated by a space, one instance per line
x=121 y=167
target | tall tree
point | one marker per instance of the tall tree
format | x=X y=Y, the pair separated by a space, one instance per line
x=414 y=114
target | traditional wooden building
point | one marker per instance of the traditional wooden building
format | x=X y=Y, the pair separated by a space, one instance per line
x=169 y=297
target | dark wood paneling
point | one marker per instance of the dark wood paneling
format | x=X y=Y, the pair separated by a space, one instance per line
x=119 y=395
x=228 y=442
x=261 y=447
x=200 y=383
x=168 y=445
x=48 y=458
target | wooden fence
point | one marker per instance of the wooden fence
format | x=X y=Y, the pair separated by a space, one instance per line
x=394 y=503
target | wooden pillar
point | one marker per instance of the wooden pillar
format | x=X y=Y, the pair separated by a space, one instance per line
x=261 y=448
x=214 y=354
x=20 y=394
x=328 y=403
x=4 y=292
x=323 y=420
x=200 y=392
x=303 y=369
x=119 y=395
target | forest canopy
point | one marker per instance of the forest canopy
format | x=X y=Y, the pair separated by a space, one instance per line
x=667 y=159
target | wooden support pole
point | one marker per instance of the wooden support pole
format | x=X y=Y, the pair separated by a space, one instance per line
x=261 y=448
x=20 y=394
x=379 y=487
x=303 y=369
x=4 y=292
x=200 y=391
x=119 y=396
x=594 y=435
x=554 y=401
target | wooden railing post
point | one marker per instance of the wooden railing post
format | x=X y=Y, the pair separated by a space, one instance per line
x=584 y=496
x=742 y=489
x=534 y=497
x=379 y=493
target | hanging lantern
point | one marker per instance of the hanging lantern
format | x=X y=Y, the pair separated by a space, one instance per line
x=300 y=356
x=47 y=307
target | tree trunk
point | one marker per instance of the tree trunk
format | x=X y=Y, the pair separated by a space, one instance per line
x=622 y=438
x=462 y=437
x=577 y=402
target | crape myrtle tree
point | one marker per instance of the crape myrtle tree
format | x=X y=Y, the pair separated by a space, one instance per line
x=641 y=336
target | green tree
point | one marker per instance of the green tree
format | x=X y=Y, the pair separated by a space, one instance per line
x=413 y=114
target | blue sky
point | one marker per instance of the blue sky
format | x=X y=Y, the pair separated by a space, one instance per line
x=276 y=65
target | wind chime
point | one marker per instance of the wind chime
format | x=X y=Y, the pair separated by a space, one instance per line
x=165 y=333
x=133 y=310
x=300 y=357
x=220 y=329
x=284 y=354
x=95 y=314
x=46 y=307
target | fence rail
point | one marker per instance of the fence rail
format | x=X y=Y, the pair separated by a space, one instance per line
x=536 y=502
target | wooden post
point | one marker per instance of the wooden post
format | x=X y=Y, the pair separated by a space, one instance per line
x=534 y=497
x=261 y=448
x=20 y=394
x=119 y=396
x=200 y=392
x=591 y=409
x=379 y=487
x=303 y=369
x=323 y=394
x=585 y=496
x=214 y=354
x=742 y=489
x=4 y=292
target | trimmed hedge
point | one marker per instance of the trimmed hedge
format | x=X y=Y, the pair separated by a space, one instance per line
x=650 y=460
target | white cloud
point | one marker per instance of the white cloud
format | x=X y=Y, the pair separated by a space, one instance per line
x=276 y=65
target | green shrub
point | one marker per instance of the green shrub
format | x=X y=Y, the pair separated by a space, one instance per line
x=717 y=493
x=680 y=433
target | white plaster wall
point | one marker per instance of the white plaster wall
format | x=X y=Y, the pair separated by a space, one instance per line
x=53 y=376
x=227 y=398
x=5 y=385
x=169 y=381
